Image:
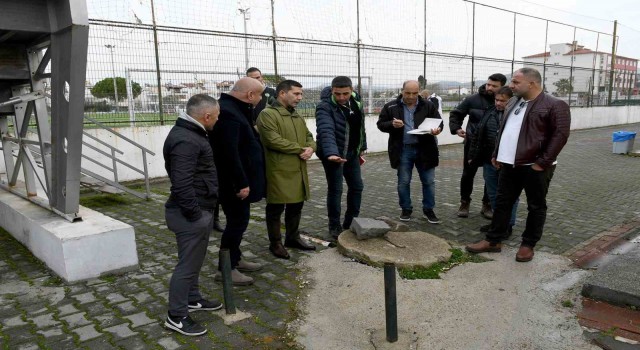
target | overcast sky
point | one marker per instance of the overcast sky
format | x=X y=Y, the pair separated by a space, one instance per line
x=398 y=23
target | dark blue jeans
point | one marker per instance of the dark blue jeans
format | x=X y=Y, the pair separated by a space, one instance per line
x=352 y=175
x=427 y=178
x=490 y=174
x=511 y=182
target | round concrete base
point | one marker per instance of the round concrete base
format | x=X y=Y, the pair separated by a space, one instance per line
x=406 y=340
x=404 y=249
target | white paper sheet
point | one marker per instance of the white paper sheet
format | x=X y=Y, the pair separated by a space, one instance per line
x=426 y=126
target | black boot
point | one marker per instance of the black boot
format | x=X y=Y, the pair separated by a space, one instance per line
x=275 y=240
x=292 y=235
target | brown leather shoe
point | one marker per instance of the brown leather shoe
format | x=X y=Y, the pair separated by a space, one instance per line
x=524 y=254
x=278 y=250
x=484 y=246
x=463 y=211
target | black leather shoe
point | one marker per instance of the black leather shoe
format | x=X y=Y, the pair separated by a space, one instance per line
x=278 y=251
x=299 y=243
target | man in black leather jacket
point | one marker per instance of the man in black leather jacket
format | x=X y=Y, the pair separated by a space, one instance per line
x=534 y=130
x=474 y=106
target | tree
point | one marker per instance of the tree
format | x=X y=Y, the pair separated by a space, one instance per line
x=272 y=79
x=563 y=87
x=104 y=88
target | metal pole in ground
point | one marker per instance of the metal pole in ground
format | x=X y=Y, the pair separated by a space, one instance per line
x=227 y=286
x=390 y=304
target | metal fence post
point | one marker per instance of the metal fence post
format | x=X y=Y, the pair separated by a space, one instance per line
x=227 y=287
x=390 y=302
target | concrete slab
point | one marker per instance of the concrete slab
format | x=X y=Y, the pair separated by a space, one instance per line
x=617 y=282
x=366 y=228
x=405 y=249
x=74 y=251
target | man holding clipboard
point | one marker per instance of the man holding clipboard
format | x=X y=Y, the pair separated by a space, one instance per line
x=413 y=124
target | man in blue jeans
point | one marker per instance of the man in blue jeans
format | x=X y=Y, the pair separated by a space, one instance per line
x=406 y=150
x=341 y=141
x=481 y=146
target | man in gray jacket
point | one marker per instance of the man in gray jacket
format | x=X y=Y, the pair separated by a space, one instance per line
x=189 y=210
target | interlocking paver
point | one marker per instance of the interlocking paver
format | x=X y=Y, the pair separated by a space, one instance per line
x=121 y=331
x=75 y=320
x=591 y=192
x=139 y=319
x=87 y=332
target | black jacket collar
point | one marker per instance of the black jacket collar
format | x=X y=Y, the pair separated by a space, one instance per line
x=190 y=126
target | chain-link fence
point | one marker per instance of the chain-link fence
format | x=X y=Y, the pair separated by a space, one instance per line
x=162 y=52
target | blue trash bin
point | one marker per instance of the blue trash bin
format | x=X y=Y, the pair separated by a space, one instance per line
x=623 y=141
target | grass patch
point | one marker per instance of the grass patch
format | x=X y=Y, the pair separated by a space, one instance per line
x=458 y=257
x=105 y=200
x=109 y=278
x=53 y=281
x=567 y=303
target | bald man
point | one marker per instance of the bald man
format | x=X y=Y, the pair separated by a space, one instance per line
x=407 y=150
x=240 y=162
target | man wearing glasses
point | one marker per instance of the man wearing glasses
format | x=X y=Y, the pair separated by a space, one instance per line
x=534 y=131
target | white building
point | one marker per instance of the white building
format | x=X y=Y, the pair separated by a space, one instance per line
x=590 y=69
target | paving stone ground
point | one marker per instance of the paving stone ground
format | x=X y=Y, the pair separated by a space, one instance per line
x=592 y=191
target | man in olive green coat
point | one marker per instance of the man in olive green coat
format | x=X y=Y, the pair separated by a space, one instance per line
x=288 y=145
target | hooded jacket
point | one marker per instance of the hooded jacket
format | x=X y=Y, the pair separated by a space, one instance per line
x=331 y=126
x=475 y=106
x=188 y=160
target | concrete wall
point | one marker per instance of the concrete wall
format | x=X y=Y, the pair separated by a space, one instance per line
x=153 y=138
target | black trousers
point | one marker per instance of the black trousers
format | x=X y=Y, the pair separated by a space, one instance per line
x=292 y=214
x=511 y=181
x=237 y=213
x=192 y=239
x=468 y=174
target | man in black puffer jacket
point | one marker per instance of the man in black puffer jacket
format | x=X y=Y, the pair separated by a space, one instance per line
x=341 y=140
x=475 y=106
x=399 y=118
x=194 y=190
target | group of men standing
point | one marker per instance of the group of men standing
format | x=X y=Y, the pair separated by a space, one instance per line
x=260 y=146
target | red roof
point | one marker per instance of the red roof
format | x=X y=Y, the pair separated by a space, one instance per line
x=545 y=54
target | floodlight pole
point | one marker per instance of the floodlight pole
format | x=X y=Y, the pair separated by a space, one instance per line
x=113 y=73
x=245 y=14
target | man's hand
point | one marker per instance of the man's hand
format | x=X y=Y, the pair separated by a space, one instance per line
x=336 y=159
x=397 y=123
x=244 y=193
x=537 y=167
x=461 y=133
x=307 y=152
x=495 y=163
x=436 y=131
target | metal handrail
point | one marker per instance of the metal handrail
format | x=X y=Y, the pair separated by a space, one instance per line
x=115 y=160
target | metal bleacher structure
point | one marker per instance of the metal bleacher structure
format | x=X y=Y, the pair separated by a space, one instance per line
x=43 y=46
